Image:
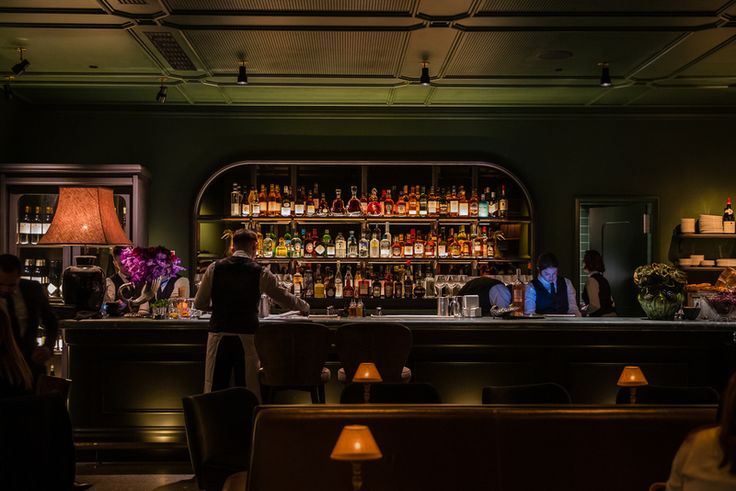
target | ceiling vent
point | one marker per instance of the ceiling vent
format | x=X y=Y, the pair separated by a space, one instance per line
x=171 y=50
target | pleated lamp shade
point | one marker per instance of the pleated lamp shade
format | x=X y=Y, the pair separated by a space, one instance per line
x=356 y=443
x=367 y=373
x=85 y=216
x=632 y=376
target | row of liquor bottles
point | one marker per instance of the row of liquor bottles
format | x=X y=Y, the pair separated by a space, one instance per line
x=414 y=201
x=48 y=275
x=477 y=244
x=33 y=226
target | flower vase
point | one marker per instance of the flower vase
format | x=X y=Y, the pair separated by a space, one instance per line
x=660 y=307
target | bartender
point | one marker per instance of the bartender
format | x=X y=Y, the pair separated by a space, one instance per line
x=233 y=286
x=117 y=279
x=490 y=292
x=548 y=293
x=175 y=286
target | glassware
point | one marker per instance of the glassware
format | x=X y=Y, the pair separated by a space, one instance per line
x=287 y=281
x=440 y=283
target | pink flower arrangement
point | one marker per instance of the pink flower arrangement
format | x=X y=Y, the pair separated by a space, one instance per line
x=146 y=264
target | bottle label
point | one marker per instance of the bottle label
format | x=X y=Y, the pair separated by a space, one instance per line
x=24 y=228
x=503 y=205
x=320 y=249
x=463 y=210
x=299 y=209
x=454 y=206
x=432 y=207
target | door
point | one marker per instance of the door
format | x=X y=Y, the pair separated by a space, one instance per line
x=621 y=230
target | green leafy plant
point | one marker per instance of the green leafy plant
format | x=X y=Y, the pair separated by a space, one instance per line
x=160 y=303
x=660 y=280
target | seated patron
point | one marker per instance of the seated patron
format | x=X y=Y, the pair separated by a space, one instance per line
x=548 y=293
x=597 y=298
x=118 y=279
x=706 y=460
x=490 y=292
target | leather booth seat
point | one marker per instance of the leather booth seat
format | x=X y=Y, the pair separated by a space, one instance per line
x=436 y=447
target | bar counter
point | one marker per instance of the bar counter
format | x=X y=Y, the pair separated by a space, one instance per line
x=129 y=375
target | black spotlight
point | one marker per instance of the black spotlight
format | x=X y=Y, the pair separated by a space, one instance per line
x=20 y=67
x=605 y=75
x=161 y=96
x=424 y=78
x=242 y=76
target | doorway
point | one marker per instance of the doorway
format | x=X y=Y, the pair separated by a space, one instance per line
x=623 y=230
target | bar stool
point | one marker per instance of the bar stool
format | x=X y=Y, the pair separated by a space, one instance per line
x=386 y=344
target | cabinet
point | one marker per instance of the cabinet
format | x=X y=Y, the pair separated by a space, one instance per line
x=712 y=246
x=213 y=213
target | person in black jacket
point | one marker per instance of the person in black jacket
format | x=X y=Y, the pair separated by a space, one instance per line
x=15 y=376
x=597 y=292
x=27 y=307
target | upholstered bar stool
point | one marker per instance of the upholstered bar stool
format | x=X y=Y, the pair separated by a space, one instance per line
x=386 y=344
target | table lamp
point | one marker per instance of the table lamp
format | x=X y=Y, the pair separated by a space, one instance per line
x=632 y=377
x=367 y=374
x=356 y=445
x=85 y=217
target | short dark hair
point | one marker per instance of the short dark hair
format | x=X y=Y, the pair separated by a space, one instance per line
x=118 y=250
x=10 y=263
x=243 y=237
x=593 y=261
x=547 y=260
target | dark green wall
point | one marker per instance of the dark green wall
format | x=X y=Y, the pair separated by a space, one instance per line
x=684 y=159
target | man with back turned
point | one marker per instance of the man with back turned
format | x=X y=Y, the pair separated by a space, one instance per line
x=234 y=286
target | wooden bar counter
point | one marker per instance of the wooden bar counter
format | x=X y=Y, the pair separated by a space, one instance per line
x=129 y=375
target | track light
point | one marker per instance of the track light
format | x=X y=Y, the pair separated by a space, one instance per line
x=242 y=76
x=424 y=78
x=161 y=96
x=20 y=67
x=605 y=75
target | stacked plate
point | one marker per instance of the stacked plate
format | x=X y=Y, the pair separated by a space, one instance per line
x=727 y=262
x=711 y=224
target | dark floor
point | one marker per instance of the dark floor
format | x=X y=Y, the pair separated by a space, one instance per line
x=137 y=476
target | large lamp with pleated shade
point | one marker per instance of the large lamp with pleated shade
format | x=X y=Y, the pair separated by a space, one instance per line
x=85 y=217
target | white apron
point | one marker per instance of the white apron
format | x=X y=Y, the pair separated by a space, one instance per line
x=252 y=363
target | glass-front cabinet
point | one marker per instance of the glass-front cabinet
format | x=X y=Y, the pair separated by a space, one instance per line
x=371 y=227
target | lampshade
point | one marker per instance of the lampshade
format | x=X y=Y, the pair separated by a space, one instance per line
x=85 y=216
x=356 y=443
x=632 y=376
x=367 y=373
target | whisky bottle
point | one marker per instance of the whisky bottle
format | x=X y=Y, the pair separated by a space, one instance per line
x=463 y=204
x=47 y=218
x=348 y=290
x=493 y=206
x=338 y=282
x=286 y=207
x=320 y=248
x=310 y=209
x=388 y=204
x=503 y=203
x=374 y=247
x=429 y=246
x=376 y=290
x=298 y=283
x=341 y=246
x=329 y=283
x=251 y=203
x=413 y=206
x=24 y=227
x=397 y=248
x=432 y=203
x=442 y=204
x=423 y=203
x=363 y=205
x=409 y=245
x=235 y=198
x=465 y=245
x=419 y=288
x=273 y=203
x=474 y=204
x=36 y=226
x=309 y=243
x=454 y=203
x=454 y=245
x=330 y=246
x=418 y=245
x=442 y=250
x=385 y=244
x=299 y=205
x=401 y=205
x=319 y=286
x=263 y=201
x=408 y=283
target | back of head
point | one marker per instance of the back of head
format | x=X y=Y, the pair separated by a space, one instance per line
x=243 y=238
x=9 y=263
x=727 y=437
x=547 y=260
x=593 y=261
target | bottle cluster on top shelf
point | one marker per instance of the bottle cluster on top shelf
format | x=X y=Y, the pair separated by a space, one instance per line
x=374 y=244
x=412 y=201
x=33 y=226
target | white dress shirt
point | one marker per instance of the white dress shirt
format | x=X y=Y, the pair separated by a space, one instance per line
x=696 y=466
x=530 y=297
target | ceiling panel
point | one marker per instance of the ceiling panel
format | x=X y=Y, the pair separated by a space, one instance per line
x=353 y=6
x=539 y=96
x=203 y=94
x=51 y=4
x=494 y=6
x=284 y=96
x=411 y=94
x=351 y=53
x=688 y=97
x=721 y=62
x=97 y=95
x=499 y=54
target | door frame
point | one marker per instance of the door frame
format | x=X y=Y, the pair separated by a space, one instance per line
x=592 y=200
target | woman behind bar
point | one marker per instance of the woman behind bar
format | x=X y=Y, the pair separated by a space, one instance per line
x=548 y=293
x=15 y=376
x=597 y=298
x=706 y=460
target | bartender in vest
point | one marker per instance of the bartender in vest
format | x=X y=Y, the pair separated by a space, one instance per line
x=490 y=292
x=114 y=282
x=549 y=293
x=233 y=286
x=175 y=286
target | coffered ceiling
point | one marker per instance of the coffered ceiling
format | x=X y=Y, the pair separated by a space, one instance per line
x=481 y=53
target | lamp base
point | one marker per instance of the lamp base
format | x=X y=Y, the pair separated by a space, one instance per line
x=83 y=285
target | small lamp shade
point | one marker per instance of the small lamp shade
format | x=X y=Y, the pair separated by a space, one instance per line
x=367 y=373
x=632 y=376
x=356 y=444
x=85 y=216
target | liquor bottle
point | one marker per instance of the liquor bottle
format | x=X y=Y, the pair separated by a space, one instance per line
x=397 y=248
x=419 y=289
x=338 y=206
x=374 y=247
x=413 y=206
x=273 y=204
x=729 y=221
x=250 y=204
x=363 y=245
x=315 y=198
x=462 y=239
x=487 y=246
x=54 y=279
x=388 y=285
x=385 y=245
x=263 y=201
x=388 y=204
x=309 y=244
x=324 y=208
x=503 y=203
x=48 y=217
x=454 y=203
x=297 y=245
x=341 y=246
x=235 y=198
x=123 y=218
x=363 y=205
x=36 y=226
x=267 y=249
x=401 y=204
x=308 y=283
x=408 y=283
x=423 y=203
x=352 y=245
x=474 y=204
x=348 y=289
x=454 y=245
x=360 y=308
x=419 y=245
x=518 y=293
x=463 y=203
x=339 y=287
x=432 y=203
x=429 y=282
x=483 y=206
x=329 y=283
x=442 y=250
x=310 y=209
x=320 y=246
x=429 y=246
x=286 y=207
x=493 y=206
x=364 y=286
x=330 y=246
x=24 y=227
x=281 y=249
x=442 y=204
x=354 y=202
x=27 y=271
x=409 y=245
x=478 y=248
x=298 y=280
x=299 y=204
x=374 y=207
x=399 y=284
x=319 y=286
x=259 y=244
